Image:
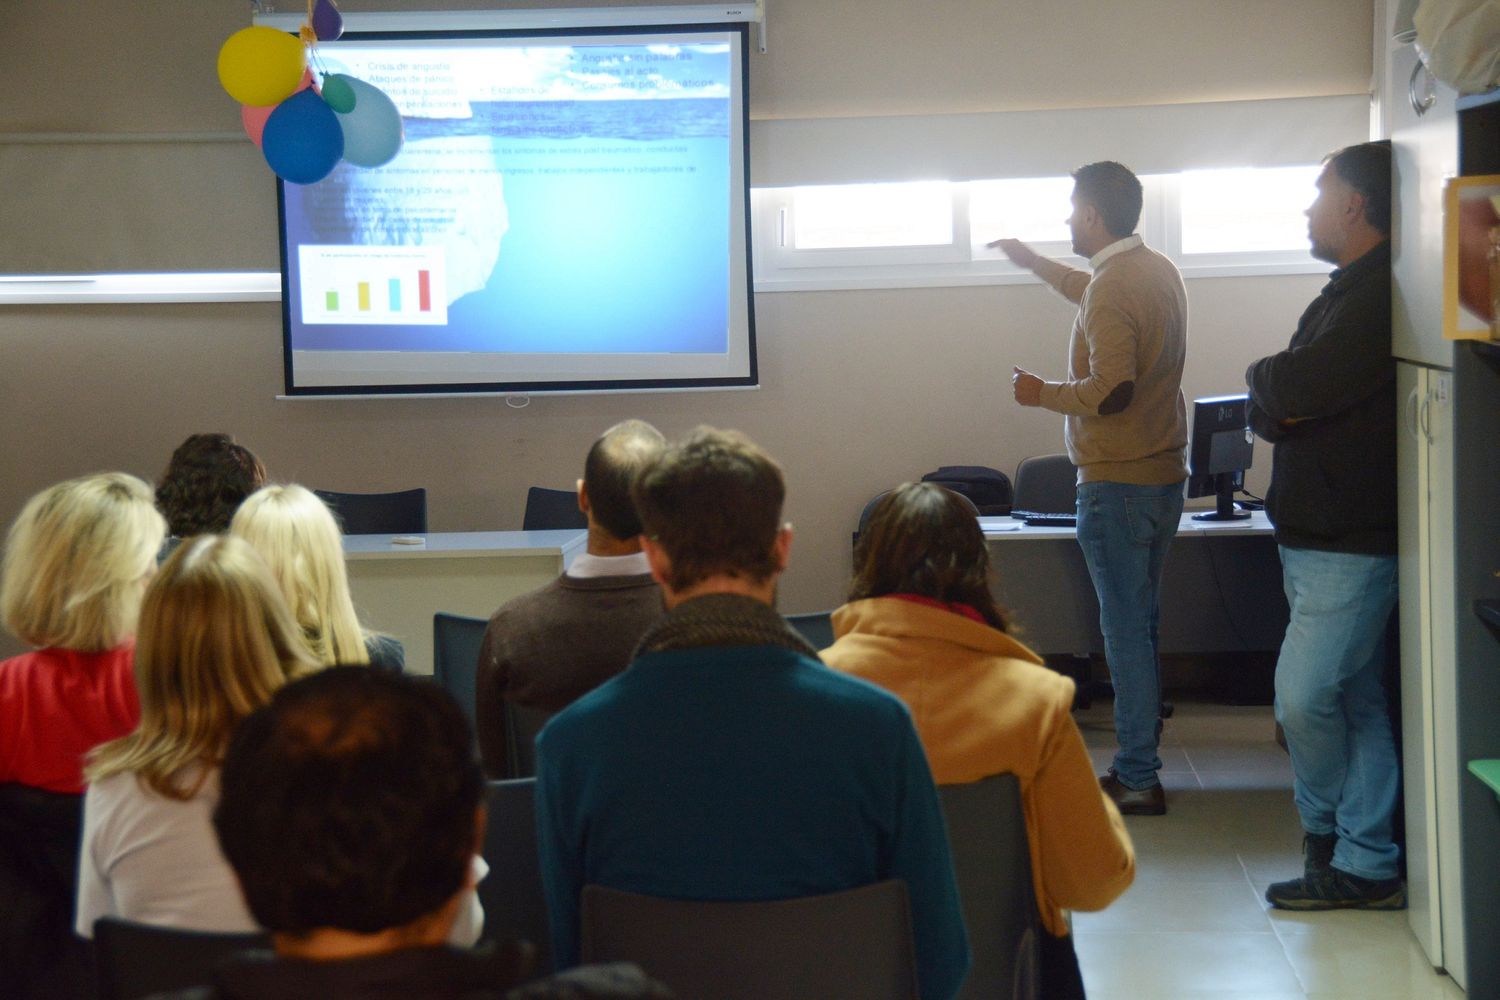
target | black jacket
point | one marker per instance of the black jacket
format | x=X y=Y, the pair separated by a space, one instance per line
x=1328 y=405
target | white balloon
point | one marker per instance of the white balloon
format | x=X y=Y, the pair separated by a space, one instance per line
x=372 y=128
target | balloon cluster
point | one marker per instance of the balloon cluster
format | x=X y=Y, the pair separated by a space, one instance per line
x=303 y=127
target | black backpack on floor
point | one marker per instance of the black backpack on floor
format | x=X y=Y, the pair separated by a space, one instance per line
x=988 y=489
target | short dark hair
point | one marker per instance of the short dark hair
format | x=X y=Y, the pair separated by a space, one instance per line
x=1366 y=167
x=713 y=502
x=613 y=463
x=204 y=482
x=349 y=802
x=1114 y=192
x=925 y=539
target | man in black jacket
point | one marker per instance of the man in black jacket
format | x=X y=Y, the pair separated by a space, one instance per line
x=1328 y=404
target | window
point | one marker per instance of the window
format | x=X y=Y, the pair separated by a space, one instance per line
x=853 y=216
x=1211 y=222
x=1247 y=210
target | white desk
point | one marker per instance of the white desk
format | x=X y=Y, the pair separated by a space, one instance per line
x=1221 y=587
x=398 y=588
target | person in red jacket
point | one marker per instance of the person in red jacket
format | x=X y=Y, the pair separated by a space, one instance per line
x=76 y=564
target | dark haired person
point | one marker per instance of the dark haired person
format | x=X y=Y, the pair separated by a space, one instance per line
x=349 y=809
x=544 y=649
x=922 y=623
x=1328 y=405
x=727 y=762
x=204 y=482
x=1125 y=424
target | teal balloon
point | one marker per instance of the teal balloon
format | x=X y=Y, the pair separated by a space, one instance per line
x=302 y=140
x=372 y=128
x=337 y=92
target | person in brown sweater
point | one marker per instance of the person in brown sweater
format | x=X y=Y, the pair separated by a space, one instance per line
x=544 y=649
x=1126 y=430
x=922 y=623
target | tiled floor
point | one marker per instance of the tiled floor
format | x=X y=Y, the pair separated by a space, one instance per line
x=1194 y=926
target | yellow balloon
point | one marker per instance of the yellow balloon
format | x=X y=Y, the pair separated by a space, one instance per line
x=261 y=66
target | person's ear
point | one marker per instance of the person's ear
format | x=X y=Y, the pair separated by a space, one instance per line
x=1354 y=208
x=657 y=558
x=583 y=498
x=782 y=547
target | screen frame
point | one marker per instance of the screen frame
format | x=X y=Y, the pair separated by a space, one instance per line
x=738 y=29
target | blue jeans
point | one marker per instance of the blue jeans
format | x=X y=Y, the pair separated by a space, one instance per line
x=1331 y=703
x=1125 y=531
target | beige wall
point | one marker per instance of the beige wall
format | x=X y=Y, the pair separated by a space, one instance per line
x=861 y=389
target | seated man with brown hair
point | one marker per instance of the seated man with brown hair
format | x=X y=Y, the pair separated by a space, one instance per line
x=350 y=810
x=727 y=763
x=544 y=649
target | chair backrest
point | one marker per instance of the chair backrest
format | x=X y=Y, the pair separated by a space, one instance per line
x=522 y=723
x=855 y=944
x=136 y=960
x=992 y=863
x=864 y=515
x=1047 y=484
x=455 y=656
x=512 y=892
x=815 y=626
x=401 y=513
x=39 y=836
x=548 y=509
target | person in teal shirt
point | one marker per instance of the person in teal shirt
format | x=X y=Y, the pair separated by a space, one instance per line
x=727 y=762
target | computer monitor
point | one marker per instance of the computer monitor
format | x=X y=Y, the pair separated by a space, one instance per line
x=1219 y=453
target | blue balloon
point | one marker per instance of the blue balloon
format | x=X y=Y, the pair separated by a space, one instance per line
x=302 y=141
x=372 y=128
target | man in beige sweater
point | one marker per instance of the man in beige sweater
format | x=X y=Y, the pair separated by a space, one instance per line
x=1125 y=424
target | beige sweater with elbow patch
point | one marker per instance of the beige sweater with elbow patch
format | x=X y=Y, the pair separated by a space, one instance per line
x=1131 y=327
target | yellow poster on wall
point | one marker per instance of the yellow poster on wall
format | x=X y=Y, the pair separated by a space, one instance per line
x=1471 y=257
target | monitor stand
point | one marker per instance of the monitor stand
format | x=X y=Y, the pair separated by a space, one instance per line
x=1224 y=495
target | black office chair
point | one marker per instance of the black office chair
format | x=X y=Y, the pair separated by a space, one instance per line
x=864 y=515
x=551 y=509
x=455 y=656
x=512 y=892
x=1047 y=484
x=992 y=863
x=522 y=723
x=138 y=960
x=851 y=945
x=401 y=513
x=816 y=627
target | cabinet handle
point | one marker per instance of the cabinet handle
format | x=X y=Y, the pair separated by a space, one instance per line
x=1424 y=418
x=1421 y=105
x=1409 y=413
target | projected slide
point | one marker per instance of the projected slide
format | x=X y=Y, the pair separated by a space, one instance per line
x=551 y=198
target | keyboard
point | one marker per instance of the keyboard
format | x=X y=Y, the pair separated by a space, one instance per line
x=1038 y=519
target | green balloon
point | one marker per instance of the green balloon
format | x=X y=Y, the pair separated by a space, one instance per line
x=337 y=93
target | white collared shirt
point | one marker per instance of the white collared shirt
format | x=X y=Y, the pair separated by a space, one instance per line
x=586 y=565
x=1117 y=247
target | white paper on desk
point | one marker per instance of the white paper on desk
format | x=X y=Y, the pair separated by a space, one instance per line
x=995 y=529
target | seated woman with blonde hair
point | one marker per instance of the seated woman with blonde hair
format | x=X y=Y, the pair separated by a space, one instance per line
x=77 y=560
x=921 y=623
x=299 y=538
x=216 y=641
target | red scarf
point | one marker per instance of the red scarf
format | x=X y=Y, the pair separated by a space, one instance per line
x=967 y=610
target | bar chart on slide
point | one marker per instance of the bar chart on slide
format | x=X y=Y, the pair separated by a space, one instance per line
x=367 y=285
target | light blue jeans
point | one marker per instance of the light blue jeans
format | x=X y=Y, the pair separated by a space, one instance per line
x=1125 y=531
x=1331 y=703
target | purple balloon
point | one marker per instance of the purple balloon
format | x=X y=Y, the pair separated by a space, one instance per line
x=327 y=22
x=303 y=140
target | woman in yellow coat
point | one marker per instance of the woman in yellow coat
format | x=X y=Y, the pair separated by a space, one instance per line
x=921 y=623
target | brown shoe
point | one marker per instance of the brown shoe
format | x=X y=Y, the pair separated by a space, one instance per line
x=1134 y=802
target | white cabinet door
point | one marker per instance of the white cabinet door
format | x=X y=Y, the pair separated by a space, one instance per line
x=1418 y=750
x=1425 y=147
